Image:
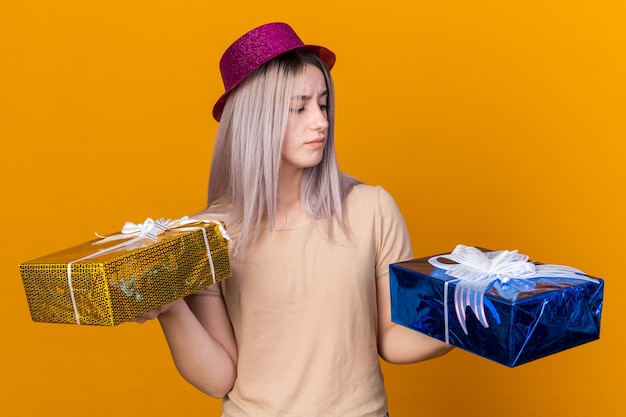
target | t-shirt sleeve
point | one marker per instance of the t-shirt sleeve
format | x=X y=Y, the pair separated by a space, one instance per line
x=392 y=236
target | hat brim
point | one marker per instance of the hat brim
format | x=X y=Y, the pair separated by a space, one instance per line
x=327 y=56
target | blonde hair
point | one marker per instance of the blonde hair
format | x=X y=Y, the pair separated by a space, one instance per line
x=248 y=148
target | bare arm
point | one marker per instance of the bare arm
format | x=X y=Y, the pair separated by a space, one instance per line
x=201 y=341
x=398 y=344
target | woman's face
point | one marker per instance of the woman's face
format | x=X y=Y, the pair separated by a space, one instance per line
x=307 y=125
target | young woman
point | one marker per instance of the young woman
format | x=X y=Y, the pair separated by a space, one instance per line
x=299 y=327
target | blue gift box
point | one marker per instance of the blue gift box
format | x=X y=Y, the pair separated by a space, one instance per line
x=553 y=315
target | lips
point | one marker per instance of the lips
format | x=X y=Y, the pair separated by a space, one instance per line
x=316 y=141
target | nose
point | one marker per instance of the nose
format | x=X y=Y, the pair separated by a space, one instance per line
x=320 y=121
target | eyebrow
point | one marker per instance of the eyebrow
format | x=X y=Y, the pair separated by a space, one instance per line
x=305 y=98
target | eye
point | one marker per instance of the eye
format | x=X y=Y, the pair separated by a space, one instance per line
x=296 y=110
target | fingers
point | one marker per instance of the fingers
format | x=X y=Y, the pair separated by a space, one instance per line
x=153 y=314
x=150 y=315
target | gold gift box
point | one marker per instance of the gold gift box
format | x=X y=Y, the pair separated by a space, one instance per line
x=107 y=289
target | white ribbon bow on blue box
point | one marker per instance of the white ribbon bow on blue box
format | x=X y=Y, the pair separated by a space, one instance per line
x=477 y=271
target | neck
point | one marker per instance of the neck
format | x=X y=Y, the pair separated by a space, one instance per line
x=289 y=211
x=289 y=184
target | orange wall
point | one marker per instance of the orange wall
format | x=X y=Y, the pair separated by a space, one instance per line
x=494 y=123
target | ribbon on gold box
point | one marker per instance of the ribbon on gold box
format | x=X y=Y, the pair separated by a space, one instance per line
x=106 y=282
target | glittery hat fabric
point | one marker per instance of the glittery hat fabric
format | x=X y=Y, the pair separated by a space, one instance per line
x=257 y=47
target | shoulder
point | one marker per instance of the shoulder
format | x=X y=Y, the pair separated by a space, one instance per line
x=370 y=196
x=371 y=204
x=216 y=211
x=373 y=214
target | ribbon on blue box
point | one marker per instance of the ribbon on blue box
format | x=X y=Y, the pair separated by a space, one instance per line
x=508 y=271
